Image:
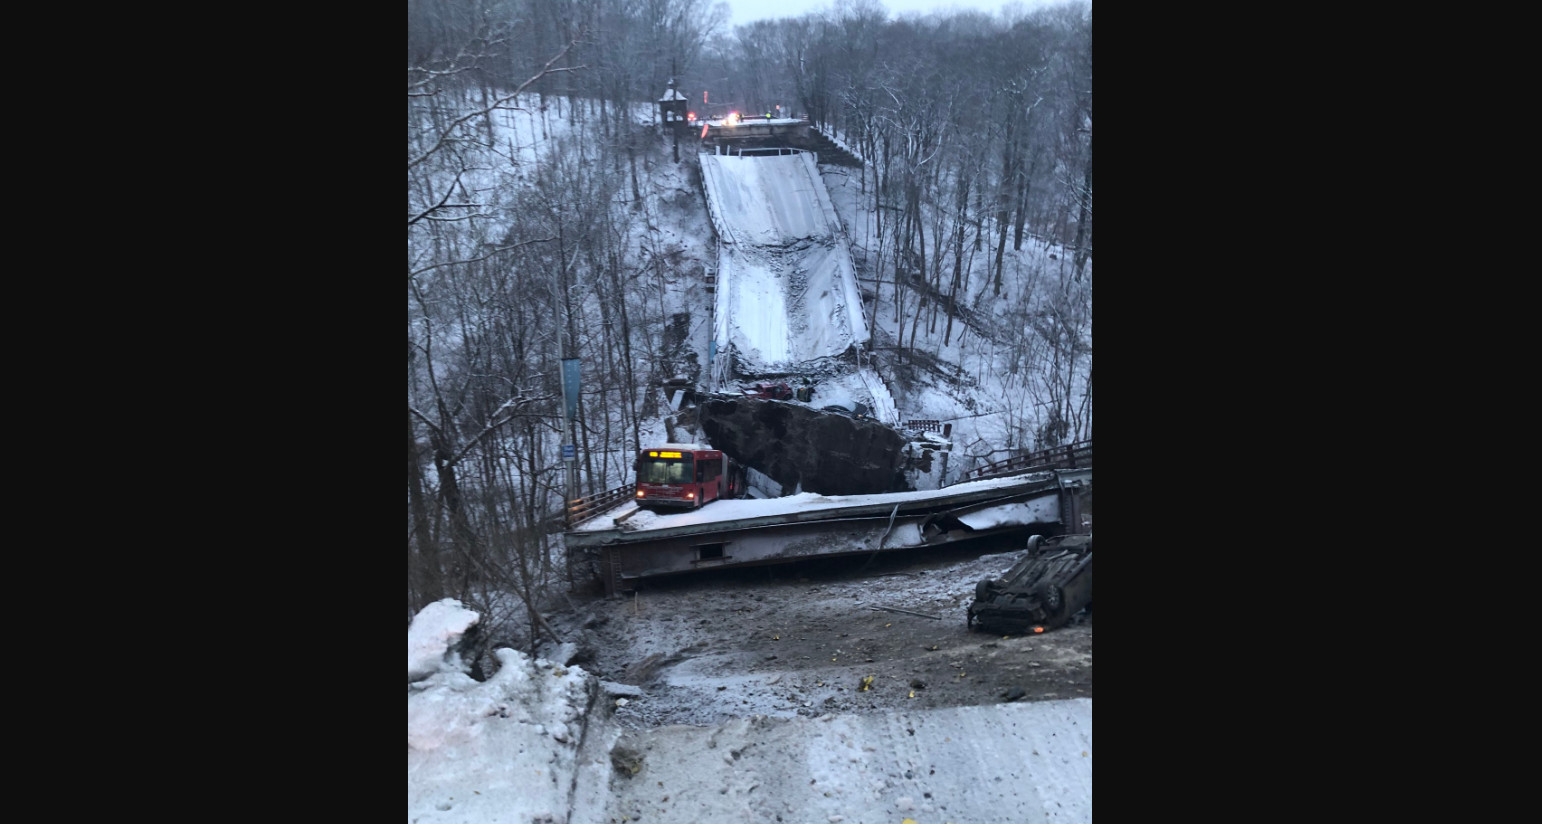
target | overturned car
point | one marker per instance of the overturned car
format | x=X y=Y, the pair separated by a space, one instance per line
x=1052 y=583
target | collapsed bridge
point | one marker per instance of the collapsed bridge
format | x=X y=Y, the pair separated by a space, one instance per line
x=786 y=293
x=615 y=551
x=786 y=302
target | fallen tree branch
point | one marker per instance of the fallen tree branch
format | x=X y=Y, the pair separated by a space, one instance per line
x=908 y=612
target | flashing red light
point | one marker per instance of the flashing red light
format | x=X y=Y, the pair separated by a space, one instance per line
x=690 y=115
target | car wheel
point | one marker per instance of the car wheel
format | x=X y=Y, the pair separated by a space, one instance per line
x=1049 y=596
x=1053 y=601
x=982 y=590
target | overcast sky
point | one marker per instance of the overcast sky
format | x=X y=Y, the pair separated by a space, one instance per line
x=747 y=11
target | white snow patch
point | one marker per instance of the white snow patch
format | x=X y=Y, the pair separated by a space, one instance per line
x=432 y=636
x=505 y=749
x=1039 y=510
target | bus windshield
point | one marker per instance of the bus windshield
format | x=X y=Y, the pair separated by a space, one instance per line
x=664 y=471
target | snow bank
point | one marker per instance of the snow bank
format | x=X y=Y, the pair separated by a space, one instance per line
x=433 y=636
x=503 y=750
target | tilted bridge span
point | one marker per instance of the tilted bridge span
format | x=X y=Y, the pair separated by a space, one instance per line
x=615 y=549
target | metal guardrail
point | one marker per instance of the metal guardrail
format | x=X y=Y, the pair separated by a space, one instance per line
x=582 y=509
x=1071 y=456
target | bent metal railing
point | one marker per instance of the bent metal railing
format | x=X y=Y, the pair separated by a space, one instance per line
x=582 y=509
x=1071 y=456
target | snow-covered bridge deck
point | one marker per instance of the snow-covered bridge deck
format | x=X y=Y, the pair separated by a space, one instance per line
x=630 y=544
x=786 y=288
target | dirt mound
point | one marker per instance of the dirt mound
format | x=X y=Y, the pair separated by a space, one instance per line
x=835 y=454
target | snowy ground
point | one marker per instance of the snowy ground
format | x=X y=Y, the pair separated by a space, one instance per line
x=1015 y=763
x=783 y=693
x=989 y=400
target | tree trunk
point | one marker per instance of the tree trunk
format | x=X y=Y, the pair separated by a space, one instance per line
x=431 y=577
x=1083 y=230
x=461 y=535
x=631 y=159
x=1023 y=182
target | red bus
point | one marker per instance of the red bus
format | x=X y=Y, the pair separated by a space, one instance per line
x=687 y=476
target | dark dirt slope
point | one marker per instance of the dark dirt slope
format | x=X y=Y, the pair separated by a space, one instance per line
x=793 y=444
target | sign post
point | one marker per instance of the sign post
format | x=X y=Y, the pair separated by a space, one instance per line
x=570 y=376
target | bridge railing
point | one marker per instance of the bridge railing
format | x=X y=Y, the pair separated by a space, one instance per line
x=1071 y=456
x=583 y=509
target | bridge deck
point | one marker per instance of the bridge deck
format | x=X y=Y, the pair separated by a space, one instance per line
x=626 y=544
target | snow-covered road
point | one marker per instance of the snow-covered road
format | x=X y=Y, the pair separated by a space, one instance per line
x=538 y=741
x=1013 y=762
